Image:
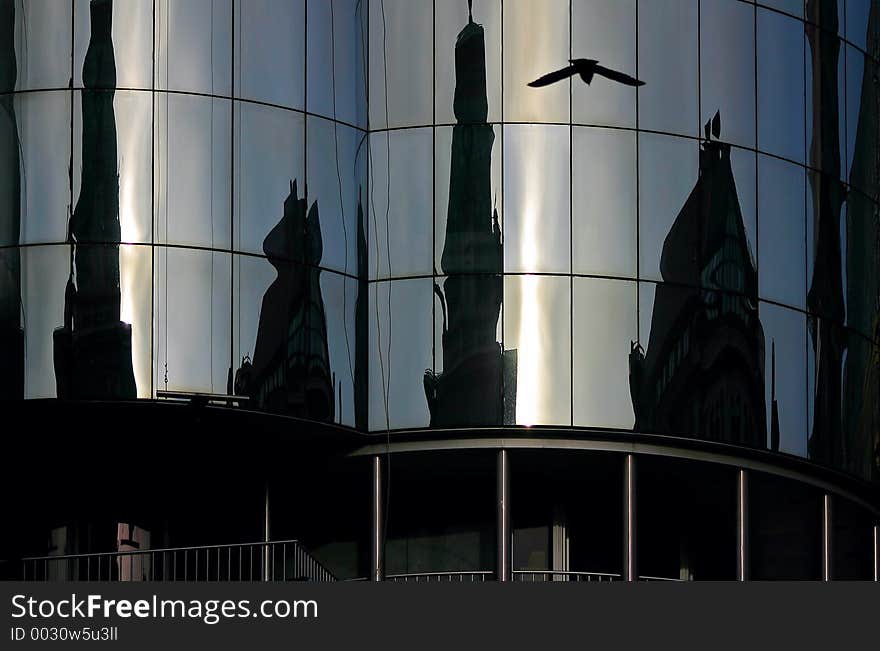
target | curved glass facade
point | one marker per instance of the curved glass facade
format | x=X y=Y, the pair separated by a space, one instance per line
x=694 y=256
x=197 y=196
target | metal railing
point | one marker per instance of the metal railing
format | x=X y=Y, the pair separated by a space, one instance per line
x=195 y=398
x=534 y=576
x=284 y=560
x=442 y=577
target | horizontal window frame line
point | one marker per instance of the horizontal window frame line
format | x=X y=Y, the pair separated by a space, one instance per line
x=187 y=93
x=185 y=247
x=622 y=441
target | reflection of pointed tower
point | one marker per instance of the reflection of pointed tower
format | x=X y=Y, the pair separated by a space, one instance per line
x=11 y=332
x=291 y=368
x=862 y=375
x=825 y=298
x=361 y=326
x=475 y=384
x=702 y=374
x=93 y=347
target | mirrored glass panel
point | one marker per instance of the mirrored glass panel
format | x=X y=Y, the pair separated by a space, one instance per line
x=668 y=58
x=826 y=247
x=192 y=320
x=337 y=59
x=828 y=443
x=537 y=187
x=537 y=326
x=192 y=168
x=861 y=421
x=781 y=110
x=668 y=169
x=269 y=172
x=781 y=231
x=863 y=122
x=604 y=202
x=793 y=7
x=136 y=310
x=861 y=24
x=401 y=63
x=698 y=367
x=536 y=43
x=467 y=58
x=468 y=199
x=42 y=43
x=291 y=337
x=336 y=171
x=785 y=379
x=193 y=45
x=270 y=51
x=604 y=30
x=43 y=127
x=127 y=141
x=131 y=34
x=473 y=383
x=861 y=272
x=727 y=67
x=44 y=274
x=400 y=353
x=400 y=219
x=604 y=326
x=826 y=108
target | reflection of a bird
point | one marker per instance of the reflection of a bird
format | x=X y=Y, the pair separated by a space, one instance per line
x=586 y=68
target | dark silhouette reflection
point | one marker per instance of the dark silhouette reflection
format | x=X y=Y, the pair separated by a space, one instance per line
x=825 y=296
x=361 y=326
x=93 y=347
x=702 y=374
x=11 y=332
x=586 y=69
x=862 y=370
x=290 y=373
x=477 y=385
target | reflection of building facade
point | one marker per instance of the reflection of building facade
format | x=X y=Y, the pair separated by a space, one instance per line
x=477 y=385
x=93 y=347
x=702 y=374
x=290 y=373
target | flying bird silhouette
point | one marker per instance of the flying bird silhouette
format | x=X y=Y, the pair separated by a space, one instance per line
x=586 y=68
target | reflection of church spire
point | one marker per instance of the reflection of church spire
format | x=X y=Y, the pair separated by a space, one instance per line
x=825 y=297
x=93 y=347
x=11 y=332
x=702 y=371
x=470 y=390
x=290 y=373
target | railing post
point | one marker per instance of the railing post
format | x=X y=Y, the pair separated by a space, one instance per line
x=377 y=537
x=742 y=525
x=503 y=513
x=630 y=572
x=826 y=537
x=266 y=532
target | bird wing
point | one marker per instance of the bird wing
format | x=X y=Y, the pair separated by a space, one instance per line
x=553 y=77
x=618 y=76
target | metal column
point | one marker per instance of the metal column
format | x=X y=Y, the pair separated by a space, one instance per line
x=503 y=513
x=377 y=537
x=742 y=525
x=630 y=572
x=826 y=537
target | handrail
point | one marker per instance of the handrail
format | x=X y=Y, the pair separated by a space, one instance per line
x=426 y=577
